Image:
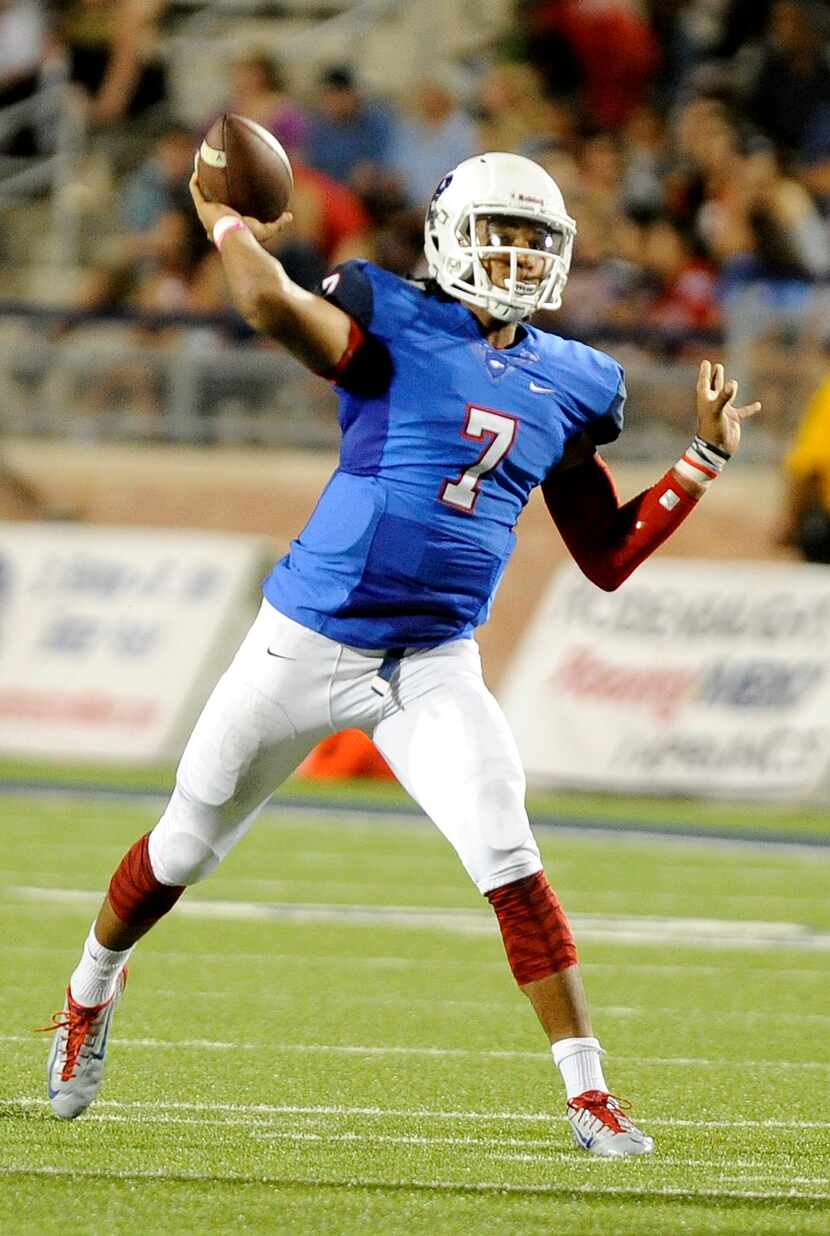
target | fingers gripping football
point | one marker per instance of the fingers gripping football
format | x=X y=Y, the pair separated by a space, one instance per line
x=211 y=212
x=718 y=419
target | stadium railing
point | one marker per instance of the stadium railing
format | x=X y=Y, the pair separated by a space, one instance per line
x=125 y=375
x=61 y=140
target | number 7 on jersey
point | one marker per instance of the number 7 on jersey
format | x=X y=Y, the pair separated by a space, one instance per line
x=481 y=424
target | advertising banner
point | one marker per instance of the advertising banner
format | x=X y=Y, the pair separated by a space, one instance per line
x=111 y=638
x=695 y=678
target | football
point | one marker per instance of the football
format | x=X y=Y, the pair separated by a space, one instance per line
x=242 y=165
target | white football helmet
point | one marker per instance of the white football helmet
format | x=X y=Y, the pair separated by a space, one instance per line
x=460 y=236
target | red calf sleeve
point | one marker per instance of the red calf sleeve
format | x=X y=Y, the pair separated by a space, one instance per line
x=135 y=894
x=537 y=935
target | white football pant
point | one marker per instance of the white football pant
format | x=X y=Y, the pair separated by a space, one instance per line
x=287 y=688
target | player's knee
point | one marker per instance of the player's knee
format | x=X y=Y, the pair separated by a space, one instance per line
x=180 y=857
x=504 y=847
x=496 y=857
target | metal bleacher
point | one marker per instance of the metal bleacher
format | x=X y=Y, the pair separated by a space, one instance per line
x=98 y=378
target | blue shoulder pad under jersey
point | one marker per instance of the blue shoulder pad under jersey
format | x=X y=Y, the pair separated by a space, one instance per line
x=350 y=287
x=378 y=301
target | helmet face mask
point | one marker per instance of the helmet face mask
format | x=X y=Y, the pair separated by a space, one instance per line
x=497 y=236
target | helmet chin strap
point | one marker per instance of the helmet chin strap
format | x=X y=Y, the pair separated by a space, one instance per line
x=507 y=313
x=500 y=309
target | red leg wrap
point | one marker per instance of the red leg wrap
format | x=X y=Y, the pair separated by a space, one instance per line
x=537 y=935
x=135 y=894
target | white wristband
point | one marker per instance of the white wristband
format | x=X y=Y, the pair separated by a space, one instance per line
x=701 y=462
x=228 y=223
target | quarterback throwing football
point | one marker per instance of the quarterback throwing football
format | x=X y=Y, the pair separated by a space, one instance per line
x=452 y=408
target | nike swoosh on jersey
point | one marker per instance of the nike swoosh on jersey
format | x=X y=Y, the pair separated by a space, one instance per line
x=540 y=390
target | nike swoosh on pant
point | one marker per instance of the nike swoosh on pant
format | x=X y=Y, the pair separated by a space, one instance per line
x=280 y=655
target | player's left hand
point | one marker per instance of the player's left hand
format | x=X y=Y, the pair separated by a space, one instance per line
x=211 y=212
x=718 y=420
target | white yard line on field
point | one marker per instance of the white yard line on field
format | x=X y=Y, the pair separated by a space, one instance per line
x=360 y=1049
x=402 y=1113
x=442 y=1186
x=616 y=928
x=499 y=1146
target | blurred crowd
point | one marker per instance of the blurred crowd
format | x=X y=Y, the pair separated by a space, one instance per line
x=691 y=140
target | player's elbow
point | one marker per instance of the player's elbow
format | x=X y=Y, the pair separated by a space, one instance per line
x=605 y=575
x=261 y=309
x=607 y=582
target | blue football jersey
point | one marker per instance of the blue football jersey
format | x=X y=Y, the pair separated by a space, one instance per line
x=411 y=536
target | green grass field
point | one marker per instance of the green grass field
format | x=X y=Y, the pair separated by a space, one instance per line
x=325 y=1037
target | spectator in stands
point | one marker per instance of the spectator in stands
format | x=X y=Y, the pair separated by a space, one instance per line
x=609 y=42
x=765 y=232
x=591 y=277
x=765 y=228
x=814 y=159
x=436 y=135
x=674 y=27
x=645 y=161
x=790 y=99
x=601 y=171
x=166 y=270
x=169 y=258
x=350 y=134
x=514 y=113
x=329 y=218
x=258 y=89
x=807 y=517
x=22 y=42
x=741 y=22
x=113 y=52
x=160 y=184
x=706 y=148
x=150 y=269
x=686 y=284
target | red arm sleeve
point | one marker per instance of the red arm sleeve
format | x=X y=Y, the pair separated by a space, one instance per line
x=606 y=540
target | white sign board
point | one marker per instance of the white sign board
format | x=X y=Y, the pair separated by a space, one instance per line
x=694 y=677
x=111 y=638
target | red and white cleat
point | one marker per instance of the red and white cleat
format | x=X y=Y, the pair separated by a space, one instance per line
x=599 y=1124
x=75 y=1068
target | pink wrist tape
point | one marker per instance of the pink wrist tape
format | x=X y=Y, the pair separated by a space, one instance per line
x=228 y=223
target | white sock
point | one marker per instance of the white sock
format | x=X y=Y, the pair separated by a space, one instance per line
x=93 y=980
x=578 y=1060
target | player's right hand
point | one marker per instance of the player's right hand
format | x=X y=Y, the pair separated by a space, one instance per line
x=211 y=212
x=267 y=232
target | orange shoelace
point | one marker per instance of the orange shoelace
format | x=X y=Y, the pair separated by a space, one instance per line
x=608 y=1110
x=79 y=1023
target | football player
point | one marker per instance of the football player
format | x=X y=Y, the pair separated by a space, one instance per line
x=452 y=408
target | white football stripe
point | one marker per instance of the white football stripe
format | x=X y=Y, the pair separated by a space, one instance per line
x=212 y=156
